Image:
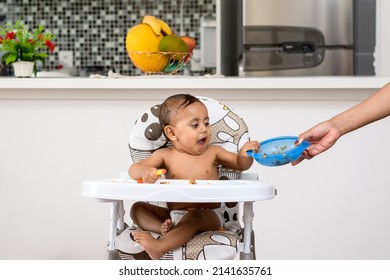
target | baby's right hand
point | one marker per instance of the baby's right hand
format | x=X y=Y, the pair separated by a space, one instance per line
x=150 y=175
x=250 y=145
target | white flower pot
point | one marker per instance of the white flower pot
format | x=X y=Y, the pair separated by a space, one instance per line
x=23 y=68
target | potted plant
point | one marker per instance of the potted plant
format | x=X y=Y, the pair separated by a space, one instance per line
x=18 y=45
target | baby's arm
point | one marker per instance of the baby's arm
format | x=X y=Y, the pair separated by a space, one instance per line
x=146 y=169
x=240 y=160
x=243 y=159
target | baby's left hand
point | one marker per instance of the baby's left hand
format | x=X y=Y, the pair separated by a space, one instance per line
x=250 y=145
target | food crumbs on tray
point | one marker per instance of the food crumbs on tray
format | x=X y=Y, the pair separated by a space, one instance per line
x=192 y=181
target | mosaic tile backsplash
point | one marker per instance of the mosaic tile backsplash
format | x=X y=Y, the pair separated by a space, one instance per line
x=96 y=30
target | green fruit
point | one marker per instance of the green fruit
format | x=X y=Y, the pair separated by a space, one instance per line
x=173 y=43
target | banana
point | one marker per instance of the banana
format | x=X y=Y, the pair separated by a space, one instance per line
x=153 y=22
x=165 y=29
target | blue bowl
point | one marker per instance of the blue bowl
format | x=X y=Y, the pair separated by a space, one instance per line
x=279 y=151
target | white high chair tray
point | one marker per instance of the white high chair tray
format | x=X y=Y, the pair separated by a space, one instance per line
x=179 y=190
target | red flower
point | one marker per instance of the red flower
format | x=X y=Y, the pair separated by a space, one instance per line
x=31 y=41
x=1 y=39
x=50 y=45
x=10 y=35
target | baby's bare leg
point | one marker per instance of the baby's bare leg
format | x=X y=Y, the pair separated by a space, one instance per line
x=148 y=216
x=193 y=222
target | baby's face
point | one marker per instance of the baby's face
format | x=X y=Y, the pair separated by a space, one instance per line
x=192 y=129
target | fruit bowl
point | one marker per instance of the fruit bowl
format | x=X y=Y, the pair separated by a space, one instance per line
x=159 y=62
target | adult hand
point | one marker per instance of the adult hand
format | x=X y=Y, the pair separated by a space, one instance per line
x=321 y=137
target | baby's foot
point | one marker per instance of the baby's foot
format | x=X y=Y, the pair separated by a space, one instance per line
x=166 y=226
x=150 y=244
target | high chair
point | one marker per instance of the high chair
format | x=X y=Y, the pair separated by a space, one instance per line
x=229 y=131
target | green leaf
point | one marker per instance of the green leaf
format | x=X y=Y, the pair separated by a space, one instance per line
x=11 y=58
x=35 y=69
x=40 y=55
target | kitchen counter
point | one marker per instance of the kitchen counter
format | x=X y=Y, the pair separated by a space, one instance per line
x=179 y=82
x=132 y=87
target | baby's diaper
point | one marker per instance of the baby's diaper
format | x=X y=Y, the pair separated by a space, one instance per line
x=176 y=216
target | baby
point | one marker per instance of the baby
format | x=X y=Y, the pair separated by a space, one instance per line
x=185 y=122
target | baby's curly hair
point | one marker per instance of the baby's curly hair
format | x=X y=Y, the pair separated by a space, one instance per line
x=171 y=105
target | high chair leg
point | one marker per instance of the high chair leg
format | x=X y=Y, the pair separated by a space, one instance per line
x=114 y=214
x=247 y=238
x=121 y=216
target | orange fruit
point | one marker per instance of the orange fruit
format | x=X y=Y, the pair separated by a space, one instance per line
x=142 y=45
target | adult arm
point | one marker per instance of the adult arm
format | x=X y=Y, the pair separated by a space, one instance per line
x=325 y=134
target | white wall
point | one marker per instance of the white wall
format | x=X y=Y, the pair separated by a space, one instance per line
x=335 y=206
x=47 y=149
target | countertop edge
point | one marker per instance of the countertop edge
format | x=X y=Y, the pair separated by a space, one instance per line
x=180 y=82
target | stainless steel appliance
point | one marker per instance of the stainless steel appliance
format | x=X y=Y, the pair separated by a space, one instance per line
x=297 y=37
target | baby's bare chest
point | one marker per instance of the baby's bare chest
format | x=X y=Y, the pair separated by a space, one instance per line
x=196 y=167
